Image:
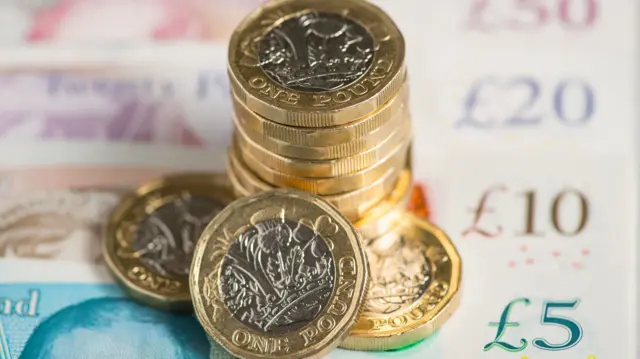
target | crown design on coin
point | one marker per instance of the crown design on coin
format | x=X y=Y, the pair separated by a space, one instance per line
x=278 y=273
x=313 y=52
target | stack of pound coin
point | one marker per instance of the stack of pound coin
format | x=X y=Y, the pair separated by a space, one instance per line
x=320 y=99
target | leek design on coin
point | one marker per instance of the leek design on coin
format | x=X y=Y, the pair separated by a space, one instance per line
x=278 y=273
x=316 y=63
x=151 y=236
x=416 y=274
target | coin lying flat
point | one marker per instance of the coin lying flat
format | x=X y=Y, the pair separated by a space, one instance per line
x=325 y=168
x=389 y=212
x=416 y=274
x=281 y=273
x=353 y=205
x=396 y=159
x=348 y=155
x=151 y=236
x=370 y=129
x=316 y=63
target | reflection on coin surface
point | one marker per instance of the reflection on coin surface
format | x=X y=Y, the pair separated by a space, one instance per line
x=316 y=63
x=151 y=236
x=281 y=273
x=389 y=212
x=415 y=284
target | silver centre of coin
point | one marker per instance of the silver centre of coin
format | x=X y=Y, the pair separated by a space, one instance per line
x=316 y=52
x=400 y=272
x=166 y=238
x=277 y=276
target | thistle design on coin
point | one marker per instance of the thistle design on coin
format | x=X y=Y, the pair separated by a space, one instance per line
x=151 y=236
x=316 y=52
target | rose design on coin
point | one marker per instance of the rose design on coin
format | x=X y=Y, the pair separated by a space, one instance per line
x=277 y=276
x=316 y=52
x=166 y=238
x=400 y=273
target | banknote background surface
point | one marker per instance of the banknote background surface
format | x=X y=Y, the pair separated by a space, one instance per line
x=524 y=117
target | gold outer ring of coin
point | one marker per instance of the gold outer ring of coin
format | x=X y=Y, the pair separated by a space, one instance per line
x=330 y=185
x=354 y=205
x=388 y=213
x=361 y=146
x=352 y=137
x=138 y=281
x=288 y=106
x=386 y=323
x=335 y=241
x=327 y=168
x=380 y=219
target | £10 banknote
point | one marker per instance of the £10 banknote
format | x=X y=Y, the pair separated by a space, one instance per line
x=524 y=148
x=548 y=271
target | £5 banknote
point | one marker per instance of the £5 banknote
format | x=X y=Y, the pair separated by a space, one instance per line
x=74 y=311
x=548 y=271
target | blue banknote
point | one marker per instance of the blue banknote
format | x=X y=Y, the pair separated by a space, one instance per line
x=97 y=321
x=93 y=321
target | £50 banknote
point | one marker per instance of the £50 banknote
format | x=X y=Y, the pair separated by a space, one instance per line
x=88 y=22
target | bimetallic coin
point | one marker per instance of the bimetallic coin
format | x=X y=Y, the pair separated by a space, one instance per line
x=248 y=182
x=281 y=273
x=363 y=149
x=416 y=273
x=239 y=188
x=328 y=185
x=151 y=236
x=388 y=213
x=354 y=205
x=326 y=168
x=316 y=63
x=341 y=141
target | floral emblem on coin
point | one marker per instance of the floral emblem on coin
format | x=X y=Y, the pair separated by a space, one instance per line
x=316 y=52
x=278 y=274
x=166 y=238
x=400 y=272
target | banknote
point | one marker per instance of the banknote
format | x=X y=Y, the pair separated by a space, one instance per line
x=85 y=22
x=548 y=241
x=74 y=311
x=548 y=249
x=86 y=316
x=86 y=138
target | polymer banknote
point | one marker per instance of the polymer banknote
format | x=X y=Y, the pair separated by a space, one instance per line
x=71 y=143
x=525 y=145
x=547 y=243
